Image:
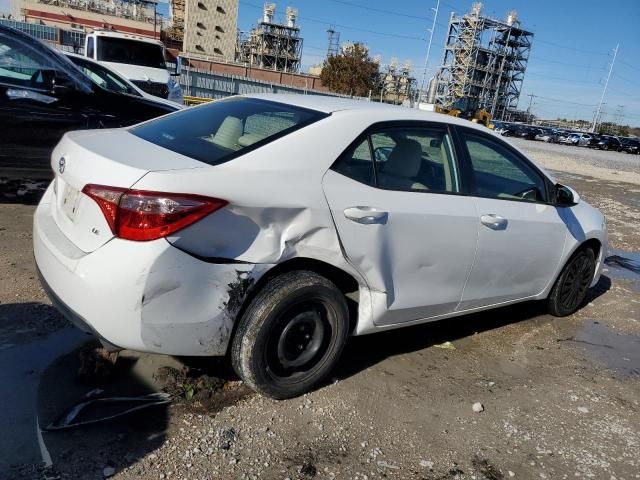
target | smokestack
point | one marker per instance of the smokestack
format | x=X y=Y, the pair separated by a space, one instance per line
x=269 y=11
x=433 y=89
x=292 y=14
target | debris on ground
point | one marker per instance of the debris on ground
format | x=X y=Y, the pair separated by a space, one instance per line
x=446 y=346
x=96 y=364
x=199 y=391
x=113 y=407
x=488 y=471
x=477 y=407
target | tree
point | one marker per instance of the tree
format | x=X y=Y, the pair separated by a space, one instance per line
x=352 y=72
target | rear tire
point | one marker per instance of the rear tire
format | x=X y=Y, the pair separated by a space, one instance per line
x=572 y=285
x=291 y=335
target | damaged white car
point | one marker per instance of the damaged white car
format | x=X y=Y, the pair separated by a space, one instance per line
x=271 y=228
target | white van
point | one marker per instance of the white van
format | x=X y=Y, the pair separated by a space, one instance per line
x=139 y=59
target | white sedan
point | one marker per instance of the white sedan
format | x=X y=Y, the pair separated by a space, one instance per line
x=273 y=227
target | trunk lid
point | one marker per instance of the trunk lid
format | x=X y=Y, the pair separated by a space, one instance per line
x=107 y=157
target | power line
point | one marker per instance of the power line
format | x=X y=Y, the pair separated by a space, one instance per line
x=548 y=60
x=381 y=10
x=621 y=92
x=615 y=75
x=628 y=65
x=347 y=27
x=559 y=100
x=563 y=79
x=557 y=45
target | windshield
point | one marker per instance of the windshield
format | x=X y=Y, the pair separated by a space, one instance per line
x=131 y=52
x=103 y=77
x=219 y=131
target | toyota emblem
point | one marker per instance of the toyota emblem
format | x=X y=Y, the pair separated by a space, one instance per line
x=61 y=164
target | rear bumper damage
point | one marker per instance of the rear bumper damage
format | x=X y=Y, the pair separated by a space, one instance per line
x=144 y=296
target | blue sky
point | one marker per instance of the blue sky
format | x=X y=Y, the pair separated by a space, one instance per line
x=571 y=48
x=568 y=63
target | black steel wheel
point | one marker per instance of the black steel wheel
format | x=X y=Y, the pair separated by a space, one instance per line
x=291 y=334
x=572 y=285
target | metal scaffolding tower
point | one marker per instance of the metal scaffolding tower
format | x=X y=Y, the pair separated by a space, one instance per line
x=334 y=42
x=484 y=63
x=271 y=45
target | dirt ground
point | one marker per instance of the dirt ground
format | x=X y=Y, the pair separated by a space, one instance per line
x=560 y=397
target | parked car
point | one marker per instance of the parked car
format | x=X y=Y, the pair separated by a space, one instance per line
x=272 y=227
x=563 y=135
x=631 y=145
x=525 y=132
x=595 y=139
x=110 y=79
x=43 y=95
x=578 y=139
x=548 y=135
x=608 y=142
x=508 y=129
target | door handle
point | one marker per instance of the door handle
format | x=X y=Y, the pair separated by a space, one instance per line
x=494 y=221
x=366 y=215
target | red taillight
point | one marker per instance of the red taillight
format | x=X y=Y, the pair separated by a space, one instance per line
x=141 y=215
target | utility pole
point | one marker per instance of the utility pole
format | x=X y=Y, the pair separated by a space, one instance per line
x=617 y=119
x=531 y=97
x=604 y=90
x=426 y=60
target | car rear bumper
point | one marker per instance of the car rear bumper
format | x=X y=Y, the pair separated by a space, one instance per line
x=145 y=296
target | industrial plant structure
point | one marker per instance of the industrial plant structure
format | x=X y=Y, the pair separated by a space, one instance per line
x=127 y=16
x=484 y=64
x=272 y=45
x=396 y=83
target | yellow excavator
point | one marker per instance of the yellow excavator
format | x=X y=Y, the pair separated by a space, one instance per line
x=468 y=109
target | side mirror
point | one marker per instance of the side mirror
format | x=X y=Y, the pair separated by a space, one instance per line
x=62 y=85
x=566 y=196
x=436 y=142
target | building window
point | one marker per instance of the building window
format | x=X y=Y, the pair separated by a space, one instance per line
x=202 y=6
x=219 y=29
x=199 y=48
x=217 y=51
x=219 y=9
x=201 y=25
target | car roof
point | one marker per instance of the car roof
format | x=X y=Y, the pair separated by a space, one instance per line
x=329 y=104
x=323 y=103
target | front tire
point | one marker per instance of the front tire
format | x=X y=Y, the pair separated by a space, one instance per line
x=291 y=335
x=572 y=285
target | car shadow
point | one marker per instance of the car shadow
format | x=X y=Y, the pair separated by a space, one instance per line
x=366 y=351
x=46 y=369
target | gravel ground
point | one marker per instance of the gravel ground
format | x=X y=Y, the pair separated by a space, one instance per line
x=603 y=165
x=558 y=398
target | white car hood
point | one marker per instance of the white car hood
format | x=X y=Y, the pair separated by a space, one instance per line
x=138 y=72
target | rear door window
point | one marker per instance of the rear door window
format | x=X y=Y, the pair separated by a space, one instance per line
x=222 y=130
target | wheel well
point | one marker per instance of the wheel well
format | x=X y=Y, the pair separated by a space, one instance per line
x=345 y=282
x=593 y=244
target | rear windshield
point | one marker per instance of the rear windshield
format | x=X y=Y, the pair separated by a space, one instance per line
x=222 y=130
